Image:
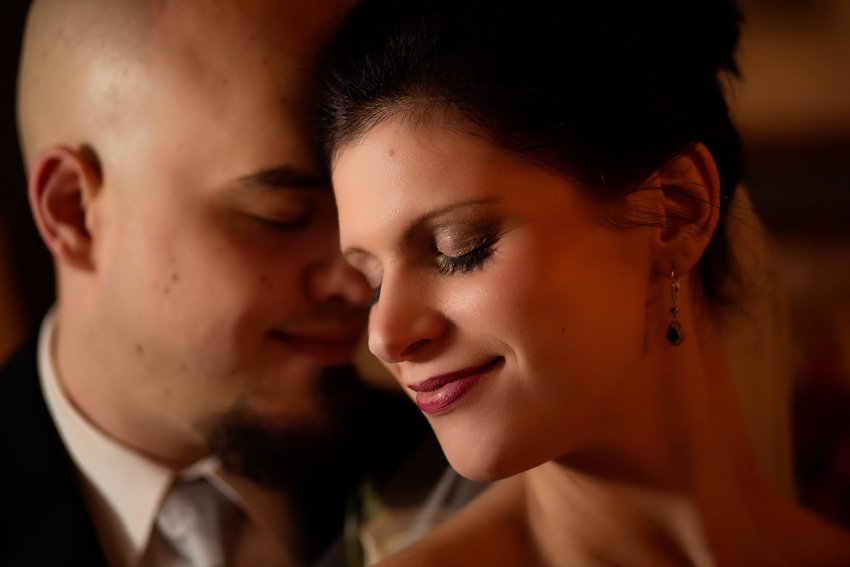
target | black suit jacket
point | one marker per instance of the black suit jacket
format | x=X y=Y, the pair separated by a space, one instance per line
x=44 y=517
x=45 y=520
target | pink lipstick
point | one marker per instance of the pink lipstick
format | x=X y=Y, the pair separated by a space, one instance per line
x=438 y=394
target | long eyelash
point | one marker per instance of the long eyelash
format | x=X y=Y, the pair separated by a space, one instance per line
x=450 y=265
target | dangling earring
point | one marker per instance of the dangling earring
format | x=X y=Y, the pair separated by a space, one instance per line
x=675 y=333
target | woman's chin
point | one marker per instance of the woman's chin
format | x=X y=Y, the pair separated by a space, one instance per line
x=482 y=467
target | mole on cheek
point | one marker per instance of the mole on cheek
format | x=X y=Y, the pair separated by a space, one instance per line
x=166 y=289
x=391 y=152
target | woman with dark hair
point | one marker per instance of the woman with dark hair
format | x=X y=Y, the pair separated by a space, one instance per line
x=538 y=192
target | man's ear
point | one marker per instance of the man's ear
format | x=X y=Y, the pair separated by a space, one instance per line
x=62 y=185
x=690 y=206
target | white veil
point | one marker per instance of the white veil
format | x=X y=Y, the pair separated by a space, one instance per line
x=756 y=337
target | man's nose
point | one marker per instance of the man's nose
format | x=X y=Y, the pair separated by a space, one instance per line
x=333 y=279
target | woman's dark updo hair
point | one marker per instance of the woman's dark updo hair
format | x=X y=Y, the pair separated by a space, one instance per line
x=604 y=92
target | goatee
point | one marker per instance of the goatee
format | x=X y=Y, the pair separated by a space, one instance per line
x=278 y=453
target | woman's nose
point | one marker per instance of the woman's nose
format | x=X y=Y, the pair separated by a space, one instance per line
x=404 y=323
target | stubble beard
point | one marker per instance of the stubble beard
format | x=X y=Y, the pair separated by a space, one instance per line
x=280 y=453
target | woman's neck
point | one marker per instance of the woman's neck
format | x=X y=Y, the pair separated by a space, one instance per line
x=676 y=484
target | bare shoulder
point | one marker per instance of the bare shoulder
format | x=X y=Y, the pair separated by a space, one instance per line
x=489 y=531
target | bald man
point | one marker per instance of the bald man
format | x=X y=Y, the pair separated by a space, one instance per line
x=191 y=361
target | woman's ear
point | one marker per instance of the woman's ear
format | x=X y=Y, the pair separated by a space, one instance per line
x=690 y=206
x=62 y=185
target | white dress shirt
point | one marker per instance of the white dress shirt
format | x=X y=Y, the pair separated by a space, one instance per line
x=124 y=489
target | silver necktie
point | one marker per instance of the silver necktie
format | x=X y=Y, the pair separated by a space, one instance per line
x=197 y=521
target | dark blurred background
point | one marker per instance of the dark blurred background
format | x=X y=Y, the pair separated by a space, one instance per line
x=26 y=273
x=793 y=110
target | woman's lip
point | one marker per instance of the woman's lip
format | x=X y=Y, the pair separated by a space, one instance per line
x=440 y=393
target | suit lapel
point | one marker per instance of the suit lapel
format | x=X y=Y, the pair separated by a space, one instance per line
x=44 y=516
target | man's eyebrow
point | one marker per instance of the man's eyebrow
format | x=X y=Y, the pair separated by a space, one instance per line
x=284 y=178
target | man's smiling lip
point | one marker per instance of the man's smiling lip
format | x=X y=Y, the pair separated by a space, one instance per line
x=331 y=346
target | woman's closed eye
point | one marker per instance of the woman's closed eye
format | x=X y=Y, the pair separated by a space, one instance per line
x=478 y=252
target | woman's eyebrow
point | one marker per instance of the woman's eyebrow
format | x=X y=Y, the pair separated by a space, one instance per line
x=436 y=213
x=414 y=225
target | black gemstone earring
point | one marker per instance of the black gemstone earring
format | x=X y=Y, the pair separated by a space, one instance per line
x=675 y=333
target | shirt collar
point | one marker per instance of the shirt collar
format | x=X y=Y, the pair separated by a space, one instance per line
x=108 y=466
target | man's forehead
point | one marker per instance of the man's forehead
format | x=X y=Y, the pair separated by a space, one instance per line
x=295 y=27
x=213 y=46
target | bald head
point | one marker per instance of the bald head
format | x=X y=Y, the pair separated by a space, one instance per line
x=78 y=63
x=88 y=66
